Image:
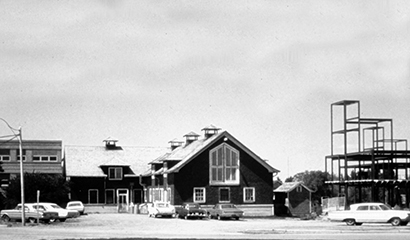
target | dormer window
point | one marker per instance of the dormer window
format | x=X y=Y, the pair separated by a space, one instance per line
x=224 y=165
x=115 y=173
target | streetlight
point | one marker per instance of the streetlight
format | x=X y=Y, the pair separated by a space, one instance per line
x=18 y=134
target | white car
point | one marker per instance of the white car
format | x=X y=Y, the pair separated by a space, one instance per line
x=371 y=212
x=76 y=205
x=160 y=209
x=63 y=214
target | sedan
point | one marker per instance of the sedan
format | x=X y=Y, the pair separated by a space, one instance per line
x=371 y=212
x=225 y=210
x=76 y=205
x=30 y=214
x=161 y=209
x=63 y=214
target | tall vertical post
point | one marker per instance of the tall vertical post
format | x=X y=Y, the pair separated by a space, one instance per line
x=23 y=214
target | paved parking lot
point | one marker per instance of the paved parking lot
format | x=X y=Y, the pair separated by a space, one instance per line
x=105 y=226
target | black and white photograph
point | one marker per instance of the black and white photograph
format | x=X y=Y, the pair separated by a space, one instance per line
x=204 y=119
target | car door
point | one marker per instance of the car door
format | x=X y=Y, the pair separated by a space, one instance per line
x=361 y=214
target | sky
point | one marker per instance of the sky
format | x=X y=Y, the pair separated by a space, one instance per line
x=146 y=72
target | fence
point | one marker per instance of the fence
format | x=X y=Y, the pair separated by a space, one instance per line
x=333 y=204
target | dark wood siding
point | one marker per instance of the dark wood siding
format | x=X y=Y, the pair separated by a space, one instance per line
x=196 y=174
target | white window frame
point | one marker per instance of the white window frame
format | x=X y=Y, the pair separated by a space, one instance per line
x=44 y=158
x=196 y=196
x=2 y=158
x=225 y=165
x=245 y=189
x=229 y=195
x=115 y=173
x=299 y=189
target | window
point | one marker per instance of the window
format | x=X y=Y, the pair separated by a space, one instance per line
x=24 y=155
x=299 y=189
x=363 y=208
x=115 y=173
x=224 y=195
x=199 y=195
x=109 y=196
x=224 y=165
x=44 y=158
x=93 y=196
x=249 y=194
x=4 y=155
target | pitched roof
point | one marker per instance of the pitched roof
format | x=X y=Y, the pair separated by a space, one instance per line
x=185 y=154
x=86 y=161
x=289 y=186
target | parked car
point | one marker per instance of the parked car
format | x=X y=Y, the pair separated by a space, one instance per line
x=371 y=212
x=225 y=210
x=76 y=205
x=30 y=214
x=190 y=210
x=63 y=214
x=160 y=209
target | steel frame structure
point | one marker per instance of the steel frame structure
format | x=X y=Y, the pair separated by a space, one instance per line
x=379 y=163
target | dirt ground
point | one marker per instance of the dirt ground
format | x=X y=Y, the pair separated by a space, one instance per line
x=132 y=226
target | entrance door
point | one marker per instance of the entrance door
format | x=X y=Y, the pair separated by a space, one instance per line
x=122 y=200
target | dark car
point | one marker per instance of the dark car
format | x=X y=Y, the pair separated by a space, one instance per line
x=190 y=210
x=225 y=210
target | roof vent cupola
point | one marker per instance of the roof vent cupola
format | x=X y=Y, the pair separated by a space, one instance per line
x=190 y=137
x=110 y=143
x=210 y=130
x=175 y=143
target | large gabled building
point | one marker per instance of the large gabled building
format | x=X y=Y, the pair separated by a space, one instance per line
x=214 y=169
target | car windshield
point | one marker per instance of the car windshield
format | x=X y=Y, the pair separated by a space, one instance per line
x=55 y=206
x=74 y=205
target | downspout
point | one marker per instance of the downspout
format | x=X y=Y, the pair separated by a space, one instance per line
x=144 y=187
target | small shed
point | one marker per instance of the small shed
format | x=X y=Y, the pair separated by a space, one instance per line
x=292 y=198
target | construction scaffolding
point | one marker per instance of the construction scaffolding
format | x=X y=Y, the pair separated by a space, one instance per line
x=367 y=163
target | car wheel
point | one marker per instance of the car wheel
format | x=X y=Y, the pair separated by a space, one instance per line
x=237 y=218
x=350 y=222
x=219 y=217
x=32 y=220
x=395 y=221
x=52 y=220
x=186 y=217
x=177 y=215
x=62 y=219
x=5 y=218
x=46 y=220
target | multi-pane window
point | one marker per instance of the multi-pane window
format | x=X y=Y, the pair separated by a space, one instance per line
x=299 y=189
x=224 y=195
x=44 y=158
x=4 y=155
x=115 y=173
x=199 y=195
x=224 y=165
x=249 y=194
